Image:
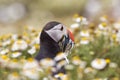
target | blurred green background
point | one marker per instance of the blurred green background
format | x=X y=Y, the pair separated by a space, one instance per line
x=15 y=14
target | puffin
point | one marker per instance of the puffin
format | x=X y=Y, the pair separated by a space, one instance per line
x=55 y=38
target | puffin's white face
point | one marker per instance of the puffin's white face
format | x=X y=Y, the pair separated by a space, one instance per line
x=57 y=32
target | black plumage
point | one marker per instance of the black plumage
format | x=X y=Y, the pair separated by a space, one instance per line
x=48 y=47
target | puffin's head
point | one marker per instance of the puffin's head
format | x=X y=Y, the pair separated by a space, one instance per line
x=60 y=34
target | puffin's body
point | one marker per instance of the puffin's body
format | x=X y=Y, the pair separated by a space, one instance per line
x=54 y=38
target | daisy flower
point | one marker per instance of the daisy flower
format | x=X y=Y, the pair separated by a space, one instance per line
x=84 y=33
x=14 y=76
x=103 y=26
x=7 y=42
x=4 y=60
x=14 y=64
x=81 y=20
x=19 y=45
x=84 y=40
x=16 y=54
x=75 y=25
x=32 y=74
x=30 y=63
x=47 y=62
x=89 y=70
x=76 y=60
x=4 y=51
x=99 y=63
x=104 y=18
x=32 y=50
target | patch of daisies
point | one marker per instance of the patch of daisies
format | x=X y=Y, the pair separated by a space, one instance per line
x=95 y=43
x=17 y=53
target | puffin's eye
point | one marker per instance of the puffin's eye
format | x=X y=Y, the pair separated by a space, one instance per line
x=61 y=28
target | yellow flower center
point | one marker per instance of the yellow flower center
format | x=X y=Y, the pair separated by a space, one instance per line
x=114 y=36
x=15 y=60
x=36 y=46
x=28 y=41
x=19 y=42
x=15 y=74
x=4 y=57
x=15 y=52
x=76 y=58
x=84 y=38
x=104 y=24
x=107 y=60
x=30 y=59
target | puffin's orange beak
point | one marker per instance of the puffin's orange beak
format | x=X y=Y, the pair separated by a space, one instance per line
x=69 y=41
x=71 y=35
